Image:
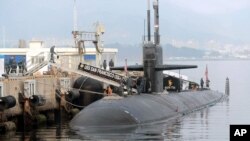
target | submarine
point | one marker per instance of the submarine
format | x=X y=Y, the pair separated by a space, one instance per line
x=151 y=103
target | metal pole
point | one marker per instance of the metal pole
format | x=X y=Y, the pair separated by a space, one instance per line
x=144 y=31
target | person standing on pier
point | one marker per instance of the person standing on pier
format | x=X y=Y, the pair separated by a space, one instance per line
x=104 y=64
x=202 y=83
x=52 y=52
x=108 y=91
x=111 y=63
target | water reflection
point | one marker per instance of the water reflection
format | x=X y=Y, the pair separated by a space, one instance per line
x=50 y=133
x=154 y=131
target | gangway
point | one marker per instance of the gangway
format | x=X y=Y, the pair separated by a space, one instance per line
x=95 y=73
x=36 y=68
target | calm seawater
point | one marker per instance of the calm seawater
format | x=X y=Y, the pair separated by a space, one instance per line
x=210 y=124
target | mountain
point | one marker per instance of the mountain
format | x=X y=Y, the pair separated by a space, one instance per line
x=133 y=53
x=169 y=51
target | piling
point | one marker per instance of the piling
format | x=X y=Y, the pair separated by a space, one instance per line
x=227 y=87
x=58 y=111
x=7 y=126
x=50 y=117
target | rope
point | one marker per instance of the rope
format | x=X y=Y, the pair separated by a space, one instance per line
x=93 y=92
x=83 y=82
x=70 y=102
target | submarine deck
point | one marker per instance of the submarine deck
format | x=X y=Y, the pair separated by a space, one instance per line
x=144 y=108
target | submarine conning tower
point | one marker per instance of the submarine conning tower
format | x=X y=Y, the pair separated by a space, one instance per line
x=152 y=54
x=152 y=57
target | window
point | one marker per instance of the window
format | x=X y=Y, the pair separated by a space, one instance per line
x=37 y=59
x=29 y=88
x=89 y=57
x=65 y=83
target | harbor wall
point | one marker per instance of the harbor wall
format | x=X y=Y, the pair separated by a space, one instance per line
x=44 y=86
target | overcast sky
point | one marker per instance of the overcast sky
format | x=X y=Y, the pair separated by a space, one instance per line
x=181 y=21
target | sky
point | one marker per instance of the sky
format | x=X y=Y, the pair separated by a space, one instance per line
x=193 y=23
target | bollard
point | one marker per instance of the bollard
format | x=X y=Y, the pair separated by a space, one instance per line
x=37 y=100
x=7 y=102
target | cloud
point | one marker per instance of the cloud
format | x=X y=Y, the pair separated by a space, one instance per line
x=211 y=6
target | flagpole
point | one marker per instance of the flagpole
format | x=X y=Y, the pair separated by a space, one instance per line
x=206 y=73
x=207 y=80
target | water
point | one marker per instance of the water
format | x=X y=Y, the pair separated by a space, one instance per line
x=210 y=124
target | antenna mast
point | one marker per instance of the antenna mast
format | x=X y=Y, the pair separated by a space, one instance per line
x=148 y=20
x=156 y=11
x=75 y=16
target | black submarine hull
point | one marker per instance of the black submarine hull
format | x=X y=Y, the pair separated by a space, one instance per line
x=144 y=108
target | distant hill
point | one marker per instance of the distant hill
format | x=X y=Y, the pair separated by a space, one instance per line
x=134 y=53
x=170 y=51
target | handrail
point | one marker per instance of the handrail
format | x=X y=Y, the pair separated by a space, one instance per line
x=29 y=62
x=36 y=68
